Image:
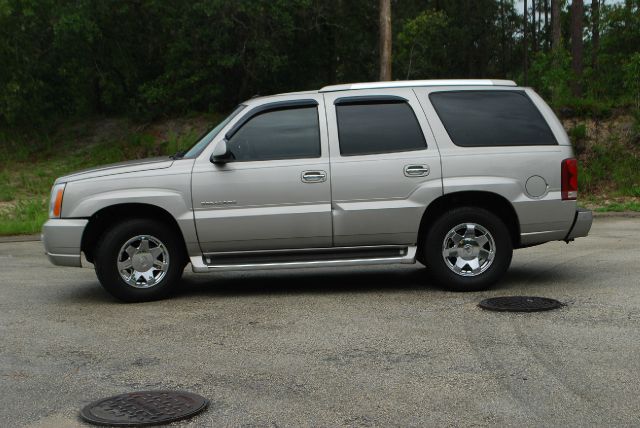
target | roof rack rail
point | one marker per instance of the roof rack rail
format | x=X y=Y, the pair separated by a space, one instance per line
x=407 y=83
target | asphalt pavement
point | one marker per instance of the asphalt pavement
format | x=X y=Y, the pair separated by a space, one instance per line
x=371 y=346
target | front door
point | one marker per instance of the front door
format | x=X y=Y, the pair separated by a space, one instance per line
x=385 y=166
x=276 y=193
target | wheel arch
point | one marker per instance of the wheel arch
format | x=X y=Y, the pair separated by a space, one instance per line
x=490 y=201
x=106 y=217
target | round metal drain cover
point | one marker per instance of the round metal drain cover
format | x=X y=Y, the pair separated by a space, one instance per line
x=520 y=304
x=144 y=408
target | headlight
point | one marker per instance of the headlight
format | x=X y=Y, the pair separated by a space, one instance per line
x=55 y=205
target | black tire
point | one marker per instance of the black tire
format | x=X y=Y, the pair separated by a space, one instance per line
x=107 y=255
x=438 y=266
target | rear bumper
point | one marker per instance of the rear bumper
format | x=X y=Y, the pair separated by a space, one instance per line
x=62 y=239
x=581 y=224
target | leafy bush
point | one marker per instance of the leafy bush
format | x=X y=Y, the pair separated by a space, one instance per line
x=422 y=45
x=632 y=79
x=578 y=136
x=611 y=167
x=586 y=107
x=550 y=74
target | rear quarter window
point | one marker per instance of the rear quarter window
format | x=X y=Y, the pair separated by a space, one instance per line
x=491 y=118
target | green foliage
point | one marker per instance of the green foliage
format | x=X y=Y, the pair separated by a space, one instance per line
x=147 y=59
x=578 y=132
x=7 y=193
x=611 y=165
x=620 y=40
x=635 y=137
x=578 y=136
x=632 y=78
x=422 y=45
x=586 y=107
x=26 y=216
x=551 y=74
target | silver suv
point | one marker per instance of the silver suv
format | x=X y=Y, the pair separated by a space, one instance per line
x=452 y=173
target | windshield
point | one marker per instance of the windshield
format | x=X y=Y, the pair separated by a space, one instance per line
x=204 y=140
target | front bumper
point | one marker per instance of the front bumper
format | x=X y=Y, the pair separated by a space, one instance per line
x=581 y=224
x=62 y=239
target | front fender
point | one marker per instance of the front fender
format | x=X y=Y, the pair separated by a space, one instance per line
x=171 y=201
x=170 y=192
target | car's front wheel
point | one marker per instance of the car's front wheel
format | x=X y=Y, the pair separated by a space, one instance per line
x=468 y=249
x=139 y=260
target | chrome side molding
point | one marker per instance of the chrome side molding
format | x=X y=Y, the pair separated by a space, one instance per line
x=404 y=255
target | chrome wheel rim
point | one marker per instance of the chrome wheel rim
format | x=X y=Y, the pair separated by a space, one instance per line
x=143 y=261
x=468 y=249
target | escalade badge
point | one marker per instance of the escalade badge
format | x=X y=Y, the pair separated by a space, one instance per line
x=217 y=203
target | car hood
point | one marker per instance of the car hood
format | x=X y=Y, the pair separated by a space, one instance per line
x=118 y=168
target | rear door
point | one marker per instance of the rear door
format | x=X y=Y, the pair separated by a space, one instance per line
x=385 y=166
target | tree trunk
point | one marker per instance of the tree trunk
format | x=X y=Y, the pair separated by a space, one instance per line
x=546 y=25
x=595 y=33
x=577 y=11
x=555 y=25
x=525 y=46
x=503 y=41
x=534 y=38
x=385 y=40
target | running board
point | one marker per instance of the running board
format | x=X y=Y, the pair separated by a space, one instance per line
x=312 y=257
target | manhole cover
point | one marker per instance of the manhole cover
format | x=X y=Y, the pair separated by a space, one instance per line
x=520 y=304
x=144 y=408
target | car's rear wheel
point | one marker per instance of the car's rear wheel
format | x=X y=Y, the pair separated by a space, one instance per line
x=139 y=260
x=468 y=249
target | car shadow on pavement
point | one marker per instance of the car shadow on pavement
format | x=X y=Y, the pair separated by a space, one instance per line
x=521 y=278
x=378 y=279
x=310 y=281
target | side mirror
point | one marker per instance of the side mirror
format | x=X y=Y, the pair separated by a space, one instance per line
x=221 y=154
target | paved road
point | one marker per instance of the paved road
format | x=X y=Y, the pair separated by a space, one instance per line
x=335 y=347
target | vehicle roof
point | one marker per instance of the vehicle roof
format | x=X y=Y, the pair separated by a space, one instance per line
x=399 y=84
x=412 y=83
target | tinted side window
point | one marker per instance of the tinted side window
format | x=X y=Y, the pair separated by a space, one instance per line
x=380 y=127
x=278 y=134
x=491 y=118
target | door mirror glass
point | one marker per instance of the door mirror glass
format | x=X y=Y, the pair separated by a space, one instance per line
x=221 y=153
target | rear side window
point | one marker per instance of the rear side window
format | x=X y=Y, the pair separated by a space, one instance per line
x=491 y=118
x=378 y=127
x=278 y=134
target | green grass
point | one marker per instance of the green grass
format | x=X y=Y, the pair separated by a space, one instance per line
x=27 y=170
x=619 y=206
x=25 y=216
x=612 y=168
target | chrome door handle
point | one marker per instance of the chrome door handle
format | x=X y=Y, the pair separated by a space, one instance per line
x=416 y=170
x=314 y=176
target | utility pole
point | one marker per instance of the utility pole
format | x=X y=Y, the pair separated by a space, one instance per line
x=595 y=33
x=555 y=25
x=577 y=10
x=524 y=43
x=385 y=40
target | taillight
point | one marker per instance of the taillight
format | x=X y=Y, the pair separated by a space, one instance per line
x=569 y=188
